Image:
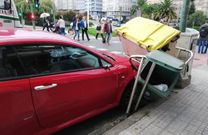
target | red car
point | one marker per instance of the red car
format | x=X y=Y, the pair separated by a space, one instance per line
x=48 y=82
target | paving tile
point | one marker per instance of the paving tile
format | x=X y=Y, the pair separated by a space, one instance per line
x=151 y=130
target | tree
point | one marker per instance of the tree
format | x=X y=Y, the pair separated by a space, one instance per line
x=157 y=11
x=150 y=10
x=24 y=7
x=196 y=19
x=192 y=7
x=138 y=6
x=46 y=6
x=166 y=10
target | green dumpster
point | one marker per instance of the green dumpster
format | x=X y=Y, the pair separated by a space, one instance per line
x=165 y=73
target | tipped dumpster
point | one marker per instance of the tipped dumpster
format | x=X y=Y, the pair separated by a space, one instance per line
x=147 y=42
x=141 y=35
x=165 y=74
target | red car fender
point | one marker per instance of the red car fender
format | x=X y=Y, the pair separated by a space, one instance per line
x=129 y=78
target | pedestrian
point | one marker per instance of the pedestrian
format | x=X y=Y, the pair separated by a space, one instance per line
x=202 y=44
x=99 y=29
x=75 y=18
x=76 y=27
x=84 y=27
x=61 y=25
x=46 y=23
x=108 y=31
x=7 y=5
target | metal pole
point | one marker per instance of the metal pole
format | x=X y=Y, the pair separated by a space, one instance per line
x=145 y=85
x=21 y=16
x=67 y=5
x=54 y=11
x=135 y=85
x=88 y=13
x=31 y=9
x=183 y=15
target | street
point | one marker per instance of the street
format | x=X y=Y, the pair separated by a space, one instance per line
x=115 y=47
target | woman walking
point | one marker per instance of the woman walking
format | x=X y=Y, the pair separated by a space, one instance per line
x=76 y=28
x=99 y=29
x=61 y=25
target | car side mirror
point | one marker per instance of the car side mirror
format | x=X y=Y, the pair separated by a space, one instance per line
x=107 y=66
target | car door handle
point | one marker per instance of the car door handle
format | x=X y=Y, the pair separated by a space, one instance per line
x=42 y=87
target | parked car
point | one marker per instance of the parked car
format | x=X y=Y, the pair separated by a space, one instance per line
x=117 y=24
x=49 y=82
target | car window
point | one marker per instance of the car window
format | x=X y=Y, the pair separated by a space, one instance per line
x=10 y=65
x=47 y=59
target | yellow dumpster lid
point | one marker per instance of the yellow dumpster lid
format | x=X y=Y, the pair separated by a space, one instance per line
x=149 y=34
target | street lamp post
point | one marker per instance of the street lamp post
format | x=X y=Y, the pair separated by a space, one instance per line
x=183 y=15
x=88 y=12
x=54 y=11
x=31 y=9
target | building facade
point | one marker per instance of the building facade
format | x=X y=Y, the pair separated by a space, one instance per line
x=64 y=4
x=110 y=8
x=79 y=5
x=118 y=8
x=95 y=7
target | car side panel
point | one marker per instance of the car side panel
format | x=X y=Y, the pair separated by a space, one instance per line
x=76 y=94
x=17 y=114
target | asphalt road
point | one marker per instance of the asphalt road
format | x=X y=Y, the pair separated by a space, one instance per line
x=96 y=125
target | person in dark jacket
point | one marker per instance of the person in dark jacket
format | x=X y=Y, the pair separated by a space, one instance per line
x=7 y=4
x=203 y=39
x=84 y=27
x=108 y=31
x=76 y=27
x=46 y=23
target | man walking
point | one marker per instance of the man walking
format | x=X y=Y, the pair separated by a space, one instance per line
x=84 y=26
x=76 y=28
x=108 y=31
x=203 y=39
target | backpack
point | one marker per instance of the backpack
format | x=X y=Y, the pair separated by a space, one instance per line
x=203 y=32
x=98 y=27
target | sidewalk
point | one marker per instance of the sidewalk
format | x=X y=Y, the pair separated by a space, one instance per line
x=185 y=112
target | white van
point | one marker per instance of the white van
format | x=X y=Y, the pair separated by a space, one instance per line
x=8 y=14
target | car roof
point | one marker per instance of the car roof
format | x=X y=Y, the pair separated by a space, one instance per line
x=18 y=36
